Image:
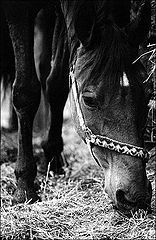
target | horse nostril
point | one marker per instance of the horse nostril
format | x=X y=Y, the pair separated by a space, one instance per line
x=120 y=196
x=123 y=201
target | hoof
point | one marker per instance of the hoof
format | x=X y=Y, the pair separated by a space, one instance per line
x=55 y=157
x=22 y=196
x=57 y=165
x=42 y=166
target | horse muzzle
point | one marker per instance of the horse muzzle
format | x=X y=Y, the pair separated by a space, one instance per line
x=129 y=206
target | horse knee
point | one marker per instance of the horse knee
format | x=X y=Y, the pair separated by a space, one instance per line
x=26 y=98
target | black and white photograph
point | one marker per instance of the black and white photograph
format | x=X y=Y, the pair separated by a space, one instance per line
x=78 y=119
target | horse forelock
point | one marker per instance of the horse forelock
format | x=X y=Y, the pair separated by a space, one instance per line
x=108 y=60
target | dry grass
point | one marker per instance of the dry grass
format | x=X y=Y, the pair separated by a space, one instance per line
x=72 y=207
x=73 y=210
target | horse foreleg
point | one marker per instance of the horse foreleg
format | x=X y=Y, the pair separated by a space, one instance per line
x=44 y=27
x=26 y=96
x=57 y=92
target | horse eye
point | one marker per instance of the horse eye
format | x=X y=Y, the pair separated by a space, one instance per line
x=90 y=100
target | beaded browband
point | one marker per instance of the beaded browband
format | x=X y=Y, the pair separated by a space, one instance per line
x=103 y=141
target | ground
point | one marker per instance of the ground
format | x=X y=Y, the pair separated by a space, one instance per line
x=75 y=206
x=72 y=207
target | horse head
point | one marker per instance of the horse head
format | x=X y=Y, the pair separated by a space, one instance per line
x=108 y=98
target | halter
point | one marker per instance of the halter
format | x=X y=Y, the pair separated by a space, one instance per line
x=103 y=141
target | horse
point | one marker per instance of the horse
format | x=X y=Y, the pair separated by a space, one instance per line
x=94 y=45
x=7 y=76
x=42 y=56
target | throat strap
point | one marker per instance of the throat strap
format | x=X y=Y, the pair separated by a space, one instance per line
x=92 y=154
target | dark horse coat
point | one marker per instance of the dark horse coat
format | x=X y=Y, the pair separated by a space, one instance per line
x=96 y=40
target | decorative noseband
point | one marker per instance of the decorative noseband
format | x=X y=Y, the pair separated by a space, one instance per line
x=123 y=148
x=103 y=141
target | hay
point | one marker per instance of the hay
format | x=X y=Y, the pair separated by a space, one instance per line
x=74 y=207
x=74 y=213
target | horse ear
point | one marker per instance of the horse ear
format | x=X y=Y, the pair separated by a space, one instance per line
x=138 y=29
x=85 y=23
